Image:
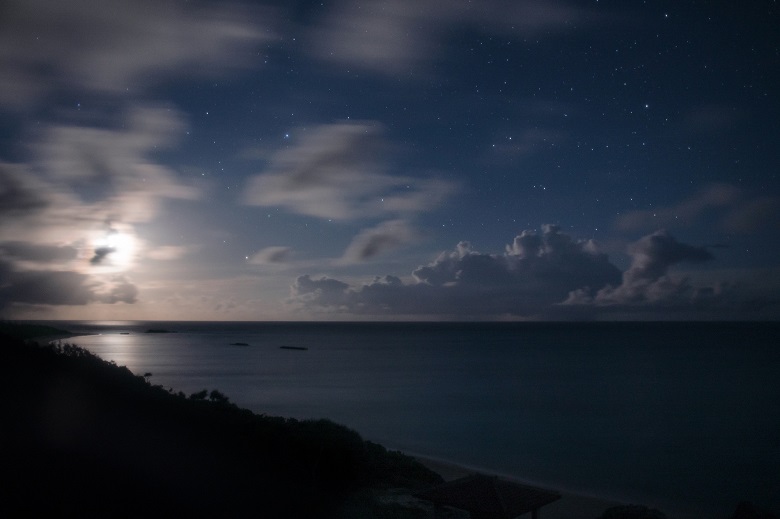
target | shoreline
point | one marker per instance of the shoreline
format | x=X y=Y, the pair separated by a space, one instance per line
x=571 y=505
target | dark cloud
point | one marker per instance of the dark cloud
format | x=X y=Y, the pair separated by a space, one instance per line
x=100 y=254
x=19 y=193
x=40 y=253
x=647 y=281
x=335 y=172
x=537 y=270
x=42 y=287
x=105 y=247
x=55 y=287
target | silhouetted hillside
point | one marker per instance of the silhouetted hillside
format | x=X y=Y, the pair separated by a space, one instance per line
x=84 y=436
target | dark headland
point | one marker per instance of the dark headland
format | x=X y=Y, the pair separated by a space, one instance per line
x=86 y=437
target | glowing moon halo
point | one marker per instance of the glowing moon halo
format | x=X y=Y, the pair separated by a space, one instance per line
x=115 y=250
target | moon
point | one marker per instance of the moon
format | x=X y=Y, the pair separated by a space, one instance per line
x=115 y=250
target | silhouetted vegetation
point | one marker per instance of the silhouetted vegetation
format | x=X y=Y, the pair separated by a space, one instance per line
x=87 y=437
x=747 y=510
x=21 y=330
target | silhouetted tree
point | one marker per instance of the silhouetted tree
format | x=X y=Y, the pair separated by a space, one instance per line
x=200 y=395
x=216 y=396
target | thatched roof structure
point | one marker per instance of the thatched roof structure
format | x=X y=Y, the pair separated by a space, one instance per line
x=488 y=497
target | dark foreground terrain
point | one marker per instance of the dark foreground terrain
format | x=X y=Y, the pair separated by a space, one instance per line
x=82 y=436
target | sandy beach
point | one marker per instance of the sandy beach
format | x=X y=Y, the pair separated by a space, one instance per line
x=570 y=506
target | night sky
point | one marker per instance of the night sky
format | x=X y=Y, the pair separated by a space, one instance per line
x=406 y=159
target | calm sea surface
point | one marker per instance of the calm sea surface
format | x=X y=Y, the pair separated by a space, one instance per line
x=682 y=416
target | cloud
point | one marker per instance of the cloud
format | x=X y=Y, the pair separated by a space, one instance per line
x=731 y=208
x=20 y=193
x=271 y=255
x=115 y=289
x=545 y=275
x=167 y=252
x=335 y=173
x=42 y=287
x=39 y=253
x=378 y=240
x=60 y=287
x=118 y=46
x=81 y=181
x=394 y=37
x=647 y=281
x=684 y=213
x=753 y=215
x=116 y=164
x=100 y=254
x=535 y=272
x=709 y=120
x=102 y=169
x=80 y=178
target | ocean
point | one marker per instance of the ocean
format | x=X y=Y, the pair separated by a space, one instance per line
x=684 y=417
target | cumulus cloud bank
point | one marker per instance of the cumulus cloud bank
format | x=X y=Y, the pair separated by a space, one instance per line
x=535 y=272
x=647 y=281
x=545 y=275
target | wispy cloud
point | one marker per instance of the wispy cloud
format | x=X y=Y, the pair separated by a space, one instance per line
x=336 y=172
x=729 y=207
x=271 y=255
x=82 y=183
x=119 y=46
x=118 y=163
x=167 y=252
x=99 y=170
x=385 y=237
x=395 y=37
